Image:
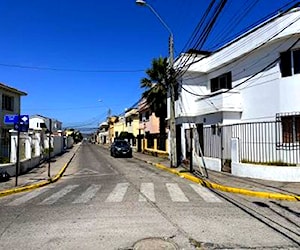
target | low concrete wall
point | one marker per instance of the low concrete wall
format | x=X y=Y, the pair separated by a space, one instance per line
x=273 y=173
x=58 y=145
x=210 y=163
x=156 y=152
x=25 y=166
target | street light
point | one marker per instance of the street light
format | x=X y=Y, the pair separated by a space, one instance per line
x=173 y=157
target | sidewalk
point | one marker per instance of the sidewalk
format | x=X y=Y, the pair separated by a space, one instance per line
x=229 y=183
x=38 y=176
x=216 y=180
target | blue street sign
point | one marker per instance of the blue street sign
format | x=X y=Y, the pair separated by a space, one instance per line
x=21 y=127
x=24 y=119
x=11 y=119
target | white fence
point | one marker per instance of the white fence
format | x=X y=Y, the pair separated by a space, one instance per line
x=34 y=149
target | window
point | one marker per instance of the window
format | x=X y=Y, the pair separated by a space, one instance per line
x=147 y=115
x=296 y=61
x=290 y=63
x=7 y=103
x=128 y=121
x=221 y=82
x=290 y=129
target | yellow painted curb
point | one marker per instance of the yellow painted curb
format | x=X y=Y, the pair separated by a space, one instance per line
x=208 y=184
x=25 y=188
x=37 y=185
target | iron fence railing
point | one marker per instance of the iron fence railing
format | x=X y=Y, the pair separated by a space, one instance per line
x=259 y=142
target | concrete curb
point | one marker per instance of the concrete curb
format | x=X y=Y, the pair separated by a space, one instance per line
x=39 y=184
x=208 y=184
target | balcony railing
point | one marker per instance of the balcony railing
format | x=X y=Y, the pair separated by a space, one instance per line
x=220 y=101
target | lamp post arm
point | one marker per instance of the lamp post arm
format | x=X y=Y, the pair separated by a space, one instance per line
x=159 y=18
x=173 y=148
x=173 y=153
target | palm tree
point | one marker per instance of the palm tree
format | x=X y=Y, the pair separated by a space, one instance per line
x=156 y=89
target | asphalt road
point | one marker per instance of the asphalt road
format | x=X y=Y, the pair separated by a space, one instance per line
x=111 y=203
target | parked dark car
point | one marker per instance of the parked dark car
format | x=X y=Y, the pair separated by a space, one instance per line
x=121 y=148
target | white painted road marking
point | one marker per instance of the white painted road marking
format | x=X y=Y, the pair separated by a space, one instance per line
x=88 y=194
x=147 y=189
x=56 y=196
x=205 y=193
x=23 y=199
x=86 y=171
x=118 y=193
x=176 y=193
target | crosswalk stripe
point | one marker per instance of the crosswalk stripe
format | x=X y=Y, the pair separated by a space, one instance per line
x=118 y=193
x=23 y=199
x=147 y=189
x=205 y=193
x=176 y=193
x=56 y=196
x=88 y=194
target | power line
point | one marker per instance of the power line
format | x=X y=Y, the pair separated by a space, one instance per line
x=184 y=66
x=71 y=70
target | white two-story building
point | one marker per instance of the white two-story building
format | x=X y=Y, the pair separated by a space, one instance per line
x=244 y=99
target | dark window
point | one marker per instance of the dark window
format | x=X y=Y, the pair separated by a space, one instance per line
x=221 y=82
x=7 y=103
x=296 y=60
x=214 y=85
x=147 y=115
x=176 y=90
x=290 y=129
x=285 y=64
x=290 y=63
x=128 y=121
x=141 y=116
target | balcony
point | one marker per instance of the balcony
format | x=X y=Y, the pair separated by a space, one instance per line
x=221 y=101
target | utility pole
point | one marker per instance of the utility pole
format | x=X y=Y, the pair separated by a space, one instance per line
x=171 y=86
x=49 y=153
x=18 y=150
x=173 y=155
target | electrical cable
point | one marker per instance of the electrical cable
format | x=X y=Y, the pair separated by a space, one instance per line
x=69 y=70
x=252 y=76
x=234 y=20
x=186 y=66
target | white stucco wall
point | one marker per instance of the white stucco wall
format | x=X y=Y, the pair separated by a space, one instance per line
x=273 y=173
x=289 y=90
x=259 y=92
x=34 y=123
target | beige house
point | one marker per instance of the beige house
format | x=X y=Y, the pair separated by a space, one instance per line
x=111 y=127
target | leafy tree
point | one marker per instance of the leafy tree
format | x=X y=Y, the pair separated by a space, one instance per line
x=77 y=136
x=156 y=89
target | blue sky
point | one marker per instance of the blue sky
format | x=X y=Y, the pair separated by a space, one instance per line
x=67 y=55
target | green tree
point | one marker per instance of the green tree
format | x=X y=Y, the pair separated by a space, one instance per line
x=77 y=136
x=156 y=89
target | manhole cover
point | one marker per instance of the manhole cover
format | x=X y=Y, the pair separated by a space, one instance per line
x=154 y=244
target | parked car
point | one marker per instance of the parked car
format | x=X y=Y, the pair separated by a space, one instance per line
x=121 y=148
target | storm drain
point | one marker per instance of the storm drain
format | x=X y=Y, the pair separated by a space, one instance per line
x=155 y=244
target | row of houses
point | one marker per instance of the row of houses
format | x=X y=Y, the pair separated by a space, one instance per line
x=138 y=125
x=44 y=137
x=237 y=107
